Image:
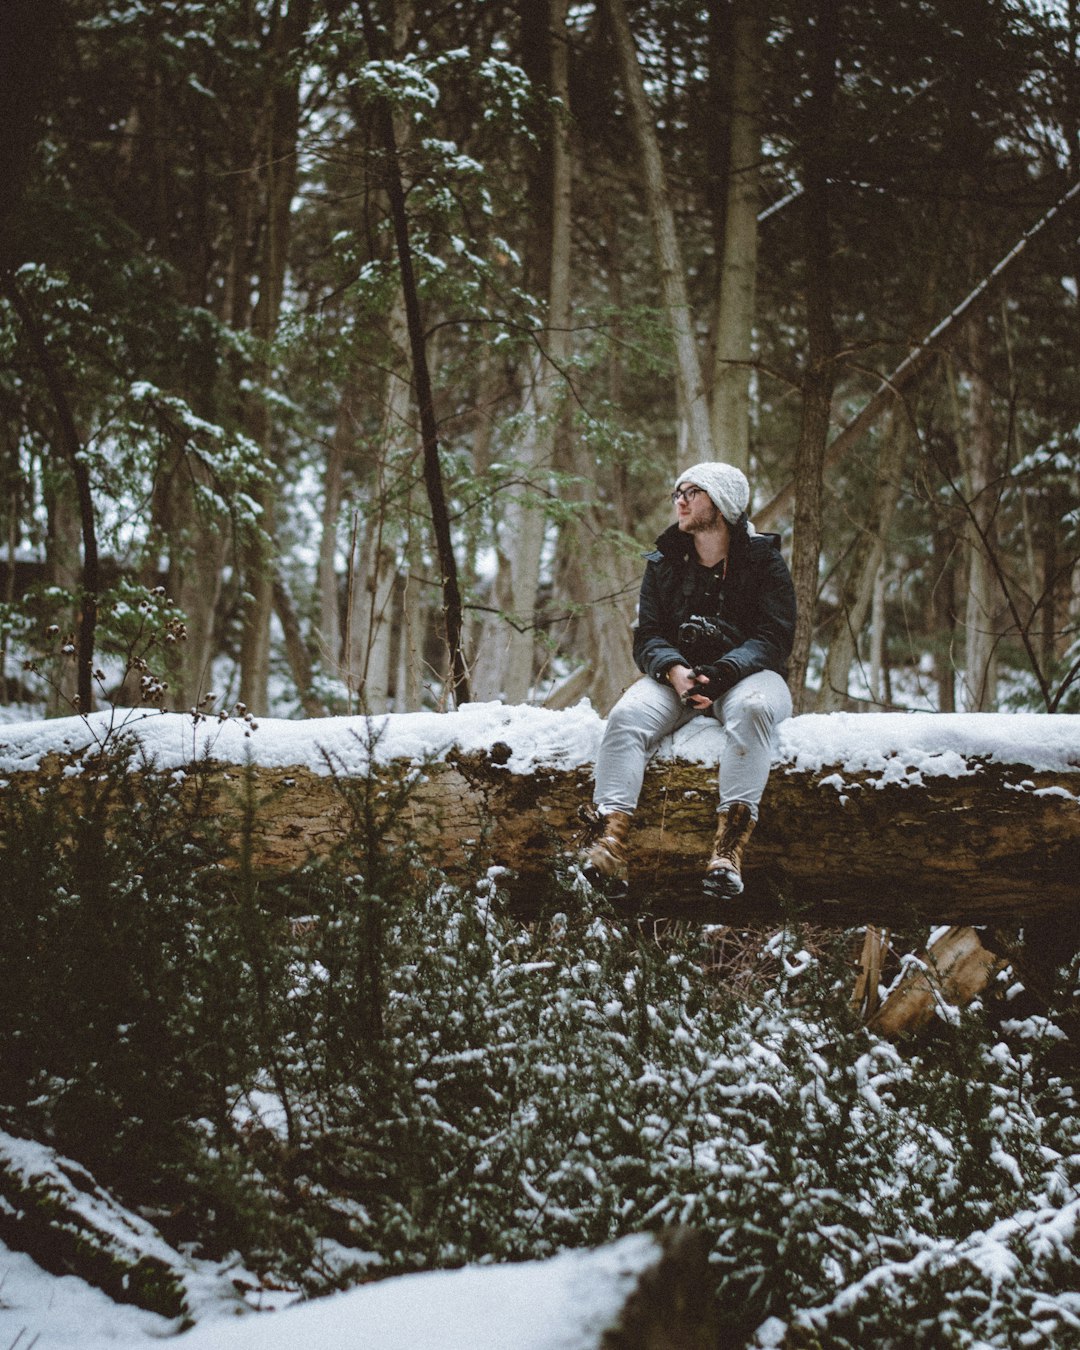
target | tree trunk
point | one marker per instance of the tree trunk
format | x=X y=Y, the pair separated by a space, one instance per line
x=456 y=682
x=70 y=446
x=941 y=617
x=414 y=611
x=820 y=375
x=990 y=841
x=865 y=566
x=342 y=444
x=878 y=664
x=506 y=659
x=733 y=349
x=984 y=601
x=372 y=577
x=296 y=651
x=62 y=571
x=197 y=554
x=277 y=163
x=693 y=403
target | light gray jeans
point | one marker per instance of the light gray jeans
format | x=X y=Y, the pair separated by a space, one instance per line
x=649 y=711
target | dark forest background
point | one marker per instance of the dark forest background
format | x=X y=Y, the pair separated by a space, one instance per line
x=374 y=333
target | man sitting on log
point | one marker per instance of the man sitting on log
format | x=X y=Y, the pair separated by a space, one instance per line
x=714 y=630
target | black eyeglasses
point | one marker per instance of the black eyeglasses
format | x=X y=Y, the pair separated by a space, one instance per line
x=685 y=494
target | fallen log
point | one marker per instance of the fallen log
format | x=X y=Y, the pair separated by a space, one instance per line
x=51 y=1208
x=893 y=819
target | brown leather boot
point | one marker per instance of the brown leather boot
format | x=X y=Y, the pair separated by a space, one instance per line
x=723 y=873
x=605 y=861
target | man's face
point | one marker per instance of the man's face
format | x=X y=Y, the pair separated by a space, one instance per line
x=694 y=509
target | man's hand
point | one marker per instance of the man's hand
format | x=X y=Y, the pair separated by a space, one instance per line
x=683 y=680
x=708 y=683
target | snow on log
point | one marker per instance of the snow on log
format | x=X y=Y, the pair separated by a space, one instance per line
x=891 y=818
x=51 y=1208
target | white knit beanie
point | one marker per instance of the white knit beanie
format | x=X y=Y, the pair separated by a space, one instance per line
x=726 y=485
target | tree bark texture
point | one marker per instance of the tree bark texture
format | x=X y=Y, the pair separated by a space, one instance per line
x=277 y=166
x=197 y=557
x=820 y=377
x=71 y=447
x=328 y=626
x=457 y=675
x=730 y=404
x=984 y=601
x=296 y=651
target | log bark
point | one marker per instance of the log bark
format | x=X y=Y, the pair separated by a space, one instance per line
x=989 y=842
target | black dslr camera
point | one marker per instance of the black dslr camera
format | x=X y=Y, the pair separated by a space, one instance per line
x=704 y=641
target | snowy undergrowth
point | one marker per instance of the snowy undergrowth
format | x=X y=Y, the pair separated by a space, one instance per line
x=368 y=1070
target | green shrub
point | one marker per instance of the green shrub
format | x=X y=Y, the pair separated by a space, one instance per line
x=362 y=1065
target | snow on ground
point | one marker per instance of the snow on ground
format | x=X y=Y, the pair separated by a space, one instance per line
x=564 y=1303
x=886 y=746
x=51 y=1312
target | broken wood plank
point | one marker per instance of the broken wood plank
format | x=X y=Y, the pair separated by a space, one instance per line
x=954 y=968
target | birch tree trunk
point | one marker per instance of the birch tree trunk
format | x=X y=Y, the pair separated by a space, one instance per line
x=328 y=600
x=414 y=611
x=984 y=602
x=373 y=569
x=376 y=539
x=507 y=658
x=733 y=349
x=693 y=402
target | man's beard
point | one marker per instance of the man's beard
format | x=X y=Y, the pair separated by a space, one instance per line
x=696 y=526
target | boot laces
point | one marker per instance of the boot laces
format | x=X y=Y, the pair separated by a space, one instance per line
x=590 y=826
